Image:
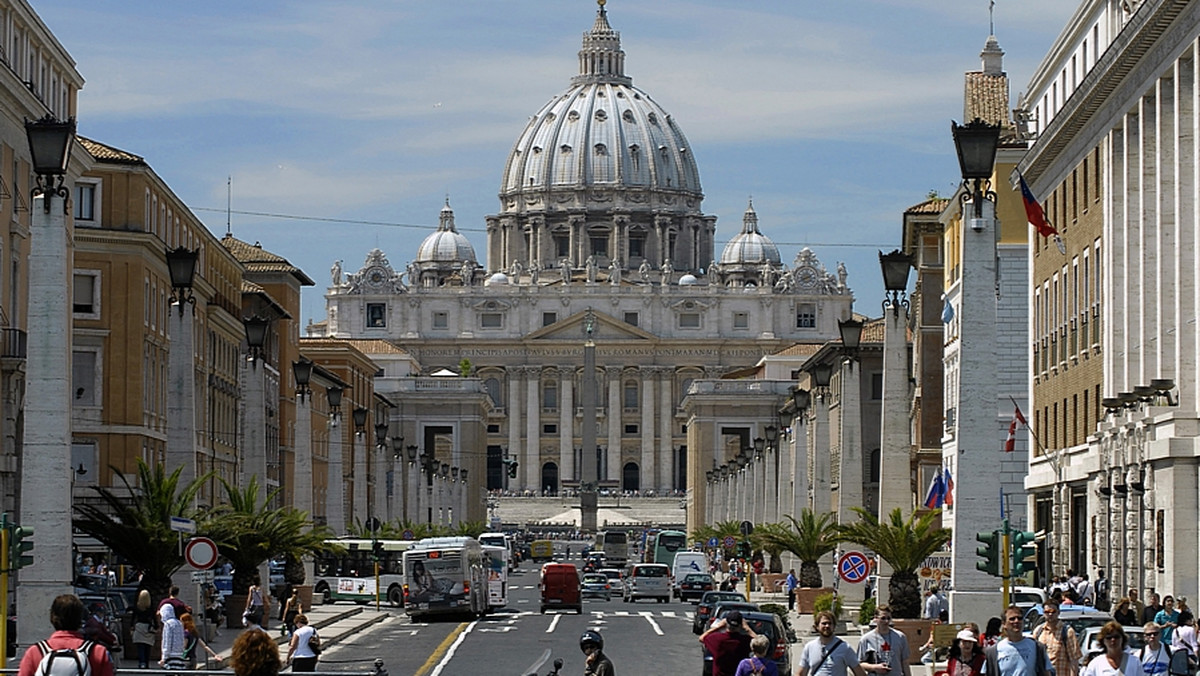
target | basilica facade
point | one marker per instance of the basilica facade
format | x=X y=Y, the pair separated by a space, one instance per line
x=600 y=236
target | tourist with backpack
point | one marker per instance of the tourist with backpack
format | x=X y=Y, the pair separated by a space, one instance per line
x=1061 y=645
x=66 y=652
x=758 y=662
x=1154 y=656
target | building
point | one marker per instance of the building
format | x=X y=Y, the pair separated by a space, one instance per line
x=1113 y=109
x=601 y=217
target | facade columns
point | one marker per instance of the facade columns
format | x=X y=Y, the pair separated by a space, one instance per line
x=615 y=392
x=335 y=495
x=646 y=471
x=254 y=424
x=533 y=414
x=850 y=482
x=513 y=409
x=666 y=428
x=822 y=501
x=566 y=424
x=412 y=499
x=358 y=455
x=380 y=482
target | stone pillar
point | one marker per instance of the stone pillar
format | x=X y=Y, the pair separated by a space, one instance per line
x=254 y=425
x=615 y=394
x=647 y=469
x=513 y=408
x=302 y=467
x=358 y=455
x=666 y=429
x=850 y=486
x=797 y=466
x=566 y=423
x=413 y=497
x=822 y=500
x=381 y=468
x=181 y=392
x=533 y=460
x=335 y=495
x=45 y=471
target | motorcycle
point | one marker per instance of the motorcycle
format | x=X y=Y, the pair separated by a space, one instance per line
x=532 y=670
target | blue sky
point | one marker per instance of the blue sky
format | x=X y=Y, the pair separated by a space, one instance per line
x=834 y=116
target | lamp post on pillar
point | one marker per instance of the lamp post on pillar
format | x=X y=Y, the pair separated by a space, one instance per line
x=302 y=465
x=850 y=492
x=822 y=501
x=379 y=508
x=45 y=496
x=181 y=366
x=771 y=483
x=358 y=465
x=335 y=494
x=397 y=488
x=413 y=499
x=977 y=500
x=799 y=452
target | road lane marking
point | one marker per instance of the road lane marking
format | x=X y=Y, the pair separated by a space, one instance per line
x=445 y=650
x=654 y=625
x=553 y=624
x=668 y=613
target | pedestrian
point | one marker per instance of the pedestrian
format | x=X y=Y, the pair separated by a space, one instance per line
x=1114 y=661
x=174 y=601
x=1168 y=619
x=1135 y=603
x=1016 y=654
x=992 y=635
x=256 y=605
x=728 y=640
x=1154 y=656
x=304 y=646
x=791 y=583
x=95 y=627
x=966 y=658
x=1100 y=591
x=290 y=610
x=1151 y=609
x=884 y=650
x=596 y=663
x=1085 y=590
x=66 y=616
x=145 y=626
x=827 y=655
x=932 y=607
x=1059 y=639
x=1184 y=637
x=255 y=654
x=193 y=644
x=1125 y=614
x=758 y=663
x=172 y=639
x=212 y=608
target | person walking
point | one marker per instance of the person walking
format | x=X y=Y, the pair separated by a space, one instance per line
x=883 y=650
x=66 y=616
x=193 y=644
x=758 y=662
x=1059 y=639
x=790 y=582
x=1184 y=638
x=728 y=640
x=291 y=609
x=1154 y=656
x=1125 y=613
x=1168 y=619
x=145 y=626
x=966 y=658
x=255 y=654
x=1114 y=661
x=827 y=655
x=172 y=639
x=256 y=605
x=1135 y=603
x=303 y=648
x=1016 y=654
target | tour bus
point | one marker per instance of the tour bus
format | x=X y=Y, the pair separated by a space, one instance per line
x=499 y=540
x=615 y=545
x=661 y=546
x=445 y=575
x=348 y=572
x=497 y=559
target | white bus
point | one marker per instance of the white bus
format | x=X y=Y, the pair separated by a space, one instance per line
x=445 y=575
x=615 y=545
x=499 y=540
x=349 y=574
x=497 y=575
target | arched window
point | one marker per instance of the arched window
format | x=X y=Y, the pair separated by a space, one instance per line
x=630 y=478
x=492 y=385
x=549 y=483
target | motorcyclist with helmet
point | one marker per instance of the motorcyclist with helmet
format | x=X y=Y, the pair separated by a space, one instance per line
x=597 y=663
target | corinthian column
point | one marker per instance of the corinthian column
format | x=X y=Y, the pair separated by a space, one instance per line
x=566 y=423
x=666 y=428
x=647 y=469
x=533 y=414
x=613 y=464
x=513 y=408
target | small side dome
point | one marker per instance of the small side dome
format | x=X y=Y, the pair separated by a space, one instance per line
x=497 y=279
x=750 y=247
x=688 y=280
x=446 y=244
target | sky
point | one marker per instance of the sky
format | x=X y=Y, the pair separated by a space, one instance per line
x=343 y=126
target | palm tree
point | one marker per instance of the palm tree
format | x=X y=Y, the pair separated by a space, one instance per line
x=136 y=523
x=809 y=538
x=720 y=531
x=904 y=544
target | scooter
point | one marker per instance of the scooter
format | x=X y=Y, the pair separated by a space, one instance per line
x=532 y=670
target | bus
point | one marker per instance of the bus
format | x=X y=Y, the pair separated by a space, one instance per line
x=499 y=540
x=615 y=545
x=497 y=559
x=348 y=572
x=445 y=575
x=661 y=546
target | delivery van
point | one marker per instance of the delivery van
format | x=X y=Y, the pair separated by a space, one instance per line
x=541 y=551
x=686 y=562
x=560 y=587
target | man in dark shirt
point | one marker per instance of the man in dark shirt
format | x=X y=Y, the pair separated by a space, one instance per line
x=728 y=640
x=1151 y=609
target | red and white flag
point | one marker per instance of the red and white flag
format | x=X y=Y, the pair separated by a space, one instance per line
x=1010 y=444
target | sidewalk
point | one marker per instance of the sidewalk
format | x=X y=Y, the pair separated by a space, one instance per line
x=333 y=623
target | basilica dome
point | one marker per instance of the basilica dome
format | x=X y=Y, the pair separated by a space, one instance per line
x=750 y=247
x=602 y=132
x=446 y=244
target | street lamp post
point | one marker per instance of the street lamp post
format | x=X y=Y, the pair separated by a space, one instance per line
x=45 y=496
x=358 y=503
x=850 y=483
x=821 y=501
x=253 y=381
x=380 y=474
x=335 y=494
x=413 y=499
x=895 y=487
x=798 y=445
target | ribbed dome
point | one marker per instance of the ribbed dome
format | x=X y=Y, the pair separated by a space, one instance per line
x=601 y=132
x=750 y=247
x=446 y=245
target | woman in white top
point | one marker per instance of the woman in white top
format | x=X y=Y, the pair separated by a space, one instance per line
x=300 y=650
x=1185 y=636
x=1114 y=661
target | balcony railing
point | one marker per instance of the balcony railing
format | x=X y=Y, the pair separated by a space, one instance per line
x=13 y=344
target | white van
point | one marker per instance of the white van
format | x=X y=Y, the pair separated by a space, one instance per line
x=686 y=562
x=647 y=580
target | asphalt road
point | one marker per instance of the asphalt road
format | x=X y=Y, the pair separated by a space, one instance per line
x=641 y=638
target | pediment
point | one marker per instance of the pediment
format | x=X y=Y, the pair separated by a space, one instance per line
x=605 y=328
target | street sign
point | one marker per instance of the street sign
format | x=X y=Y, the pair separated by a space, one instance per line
x=182 y=525
x=202 y=576
x=200 y=553
x=730 y=541
x=746 y=528
x=853 y=567
x=408 y=535
x=713 y=541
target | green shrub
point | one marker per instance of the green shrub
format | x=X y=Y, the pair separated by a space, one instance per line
x=782 y=612
x=866 y=612
x=828 y=602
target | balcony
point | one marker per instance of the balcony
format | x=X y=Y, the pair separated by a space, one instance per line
x=13 y=344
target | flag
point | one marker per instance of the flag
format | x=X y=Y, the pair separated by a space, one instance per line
x=947 y=312
x=937 y=492
x=948 y=488
x=1010 y=443
x=1037 y=217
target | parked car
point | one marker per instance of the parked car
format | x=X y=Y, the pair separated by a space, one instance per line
x=705 y=607
x=725 y=607
x=694 y=585
x=596 y=586
x=765 y=624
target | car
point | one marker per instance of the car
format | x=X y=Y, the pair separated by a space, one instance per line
x=725 y=607
x=705 y=607
x=110 y=608
x=614 y=575
x=1028 y=597
x=647 y=580
x=765 y=624
x=596 y=585
x=694 y=585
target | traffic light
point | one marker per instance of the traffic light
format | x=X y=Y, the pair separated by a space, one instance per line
x=744 y=549
x=1024 y=554
x=990 y=552
x=512 y=470
x=377 y=550
x=19 y=547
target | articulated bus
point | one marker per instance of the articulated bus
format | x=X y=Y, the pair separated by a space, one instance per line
x=661 y=546
x=445 y=575
x=349 y=573
x=615 y=545
x=497 y=559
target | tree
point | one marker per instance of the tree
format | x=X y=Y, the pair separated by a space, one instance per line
x=808 y=538
x=720 y=531
x=904 y=544
x=136 y=523
x=248 y=533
